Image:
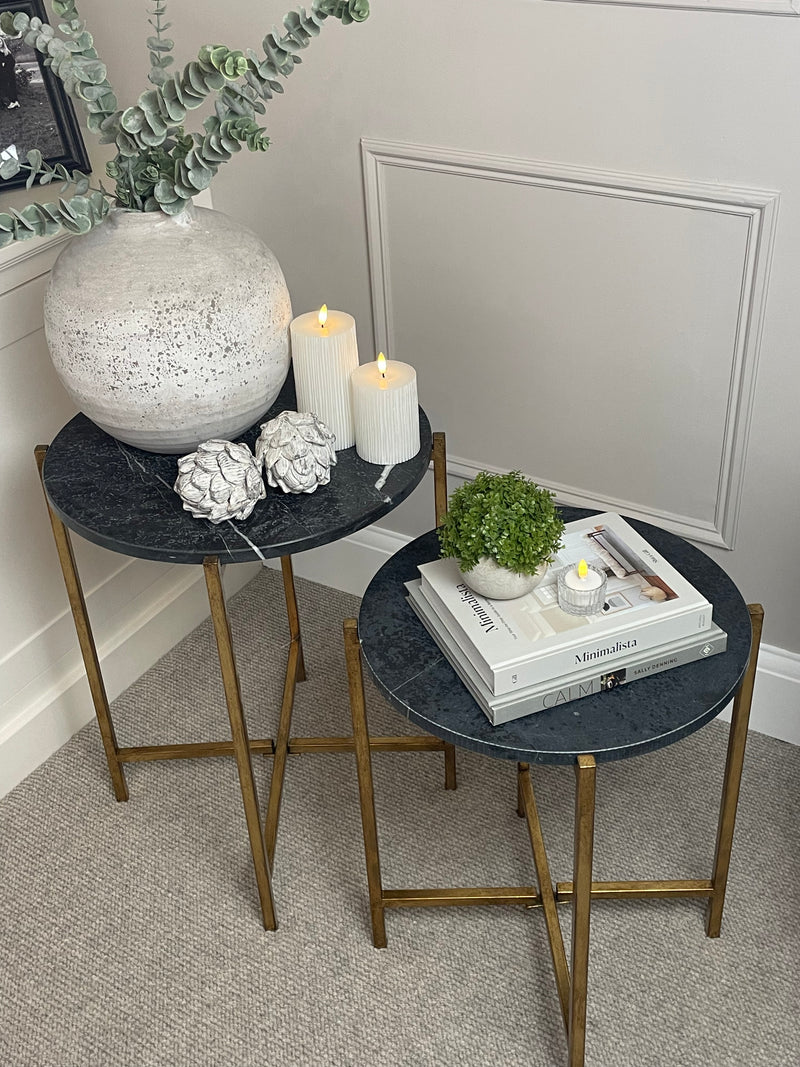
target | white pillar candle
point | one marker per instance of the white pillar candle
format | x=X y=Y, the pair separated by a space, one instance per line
x=324 y=354
x=385 y=411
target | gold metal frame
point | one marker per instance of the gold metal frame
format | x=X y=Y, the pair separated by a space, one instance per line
x=571 y=979
x=262 y=837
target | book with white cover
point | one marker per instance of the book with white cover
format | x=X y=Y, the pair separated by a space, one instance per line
x=532 y=699
x=517 y=643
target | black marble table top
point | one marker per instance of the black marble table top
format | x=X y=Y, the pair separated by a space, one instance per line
x=122 y=498
x=633 y=719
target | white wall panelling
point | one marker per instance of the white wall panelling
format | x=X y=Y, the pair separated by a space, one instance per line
x=137 y=613
x=658 y=284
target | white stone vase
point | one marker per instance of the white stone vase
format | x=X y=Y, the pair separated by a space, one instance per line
x=169 y=330
x=488 y=579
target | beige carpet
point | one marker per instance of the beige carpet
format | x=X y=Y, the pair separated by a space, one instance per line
x=130 y=933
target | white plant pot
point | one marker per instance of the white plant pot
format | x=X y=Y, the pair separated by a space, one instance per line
x=169 y=330
x=488 y=579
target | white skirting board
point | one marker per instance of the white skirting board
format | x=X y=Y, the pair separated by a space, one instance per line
x=55 y=704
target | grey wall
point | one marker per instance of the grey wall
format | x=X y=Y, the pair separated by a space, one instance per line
x=580 y=223
x=648 y=158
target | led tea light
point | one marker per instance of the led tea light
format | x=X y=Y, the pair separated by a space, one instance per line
x=324 y=355
x=581 y=589
x=385 y=412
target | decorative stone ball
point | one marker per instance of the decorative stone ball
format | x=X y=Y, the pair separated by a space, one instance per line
x=220 y=481
x=297 y=451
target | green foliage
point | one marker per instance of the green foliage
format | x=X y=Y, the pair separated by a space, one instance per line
x=78 y=214
x=504 y=516
x=158 y=166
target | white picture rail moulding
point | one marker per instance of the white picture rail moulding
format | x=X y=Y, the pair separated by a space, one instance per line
x=744 y=7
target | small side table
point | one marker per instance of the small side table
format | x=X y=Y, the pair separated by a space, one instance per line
x=122 y=498
x=648 y=714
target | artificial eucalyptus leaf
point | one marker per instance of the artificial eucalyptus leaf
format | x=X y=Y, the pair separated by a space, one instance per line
x=71 y=225
x=36 y=217
x=58 y=49
x=90 y=70
x=9 y=168
x=23 y=233
x=26 y=218
x=94 y=92
x=165 y=192
x=198 y=174
x=132 y=119
x=66 y=208
x=150 y=139
x=196 y=78
x=125 y=144
x=52 y=211
x=174 y=208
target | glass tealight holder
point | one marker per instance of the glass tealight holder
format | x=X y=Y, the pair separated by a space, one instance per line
x=581 y=596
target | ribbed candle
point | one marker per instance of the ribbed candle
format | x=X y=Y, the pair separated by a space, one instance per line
x=385 y=412
x=324 y=358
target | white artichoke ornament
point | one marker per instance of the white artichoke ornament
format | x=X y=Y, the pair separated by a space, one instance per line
x=220 y=481
x=297 y=451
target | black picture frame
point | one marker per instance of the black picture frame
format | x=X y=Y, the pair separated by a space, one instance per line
x=51 y=123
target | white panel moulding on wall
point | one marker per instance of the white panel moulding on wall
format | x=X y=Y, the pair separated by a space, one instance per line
x=683 y=269
x=749 y=7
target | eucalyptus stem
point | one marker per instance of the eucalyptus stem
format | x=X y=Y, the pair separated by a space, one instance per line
x=158 y=166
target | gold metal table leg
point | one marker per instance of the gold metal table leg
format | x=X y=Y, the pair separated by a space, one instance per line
x=527 y=802
x=295 y=672
x=88 y=649
x=366 y=793
x=292 y=614
x=572 y=981
x=737 y=740
x=241 y=745
x=581 y=906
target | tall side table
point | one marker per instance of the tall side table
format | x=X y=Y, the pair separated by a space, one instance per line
x=631 y=720
x=122 y=499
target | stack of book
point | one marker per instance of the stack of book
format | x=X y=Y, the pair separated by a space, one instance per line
x=526 y=655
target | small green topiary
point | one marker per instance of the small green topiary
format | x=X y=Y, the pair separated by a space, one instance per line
x=507 y=517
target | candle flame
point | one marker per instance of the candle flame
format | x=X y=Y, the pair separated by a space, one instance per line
x=382 y=364
x=583 y=568
x=323 y=315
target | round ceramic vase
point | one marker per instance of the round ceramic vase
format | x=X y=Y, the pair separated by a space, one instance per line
x=488 y=579
x=169 y=330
